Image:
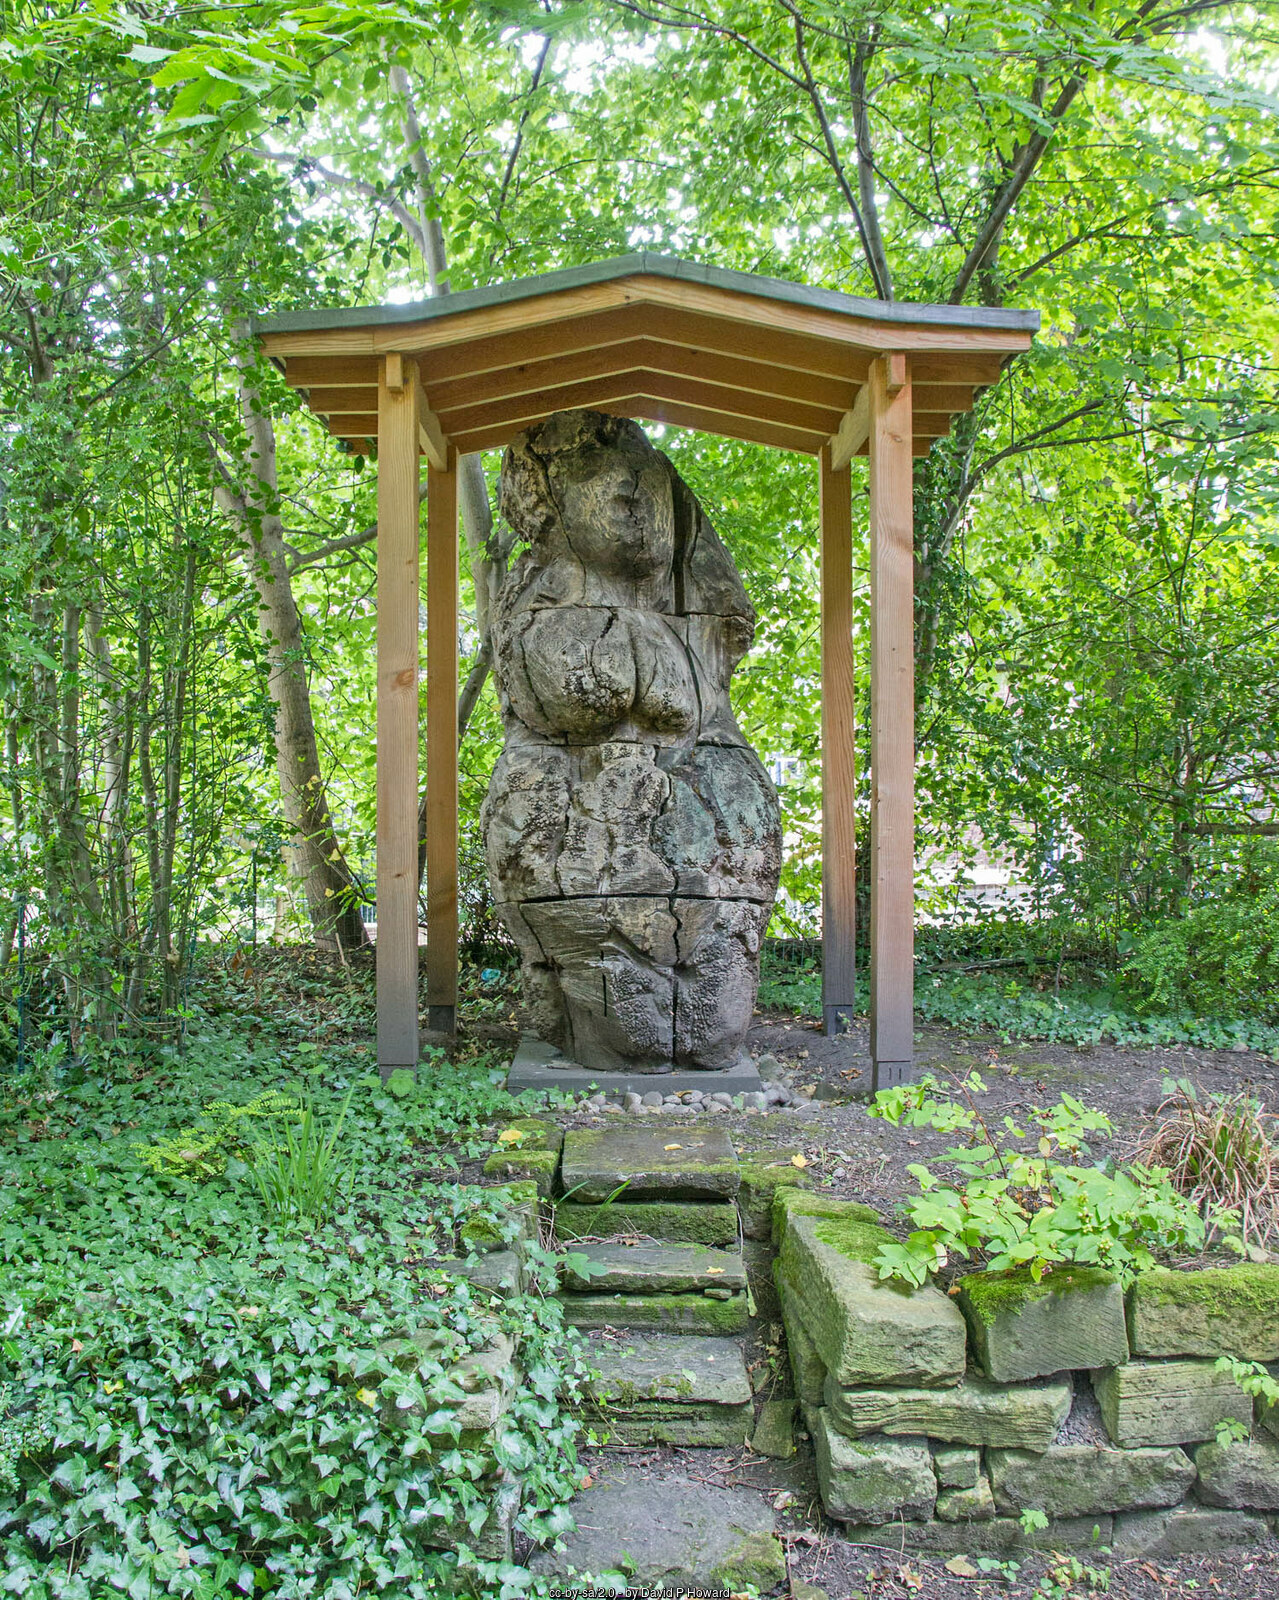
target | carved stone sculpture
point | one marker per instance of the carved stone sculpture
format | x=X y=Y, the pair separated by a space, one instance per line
x=633 y=835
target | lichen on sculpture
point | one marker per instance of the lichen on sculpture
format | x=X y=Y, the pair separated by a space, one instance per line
x=633 y=835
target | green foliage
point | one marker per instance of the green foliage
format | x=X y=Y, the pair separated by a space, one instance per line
x=301 y=1170
x=1086 y=1014
x=26 y=1420
x=209 y=1371
x=1255 y=1381
x=1219 y=953
x=223 y=1131
x=1020 y=1208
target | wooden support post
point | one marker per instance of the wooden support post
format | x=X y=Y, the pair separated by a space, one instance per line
x=892 y=758
x=839 y=778
x=397 y=742
x=441 y=746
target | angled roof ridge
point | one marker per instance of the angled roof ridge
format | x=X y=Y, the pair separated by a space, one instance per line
x=645 y=263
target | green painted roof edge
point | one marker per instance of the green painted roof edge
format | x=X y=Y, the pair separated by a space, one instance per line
x=651 y=265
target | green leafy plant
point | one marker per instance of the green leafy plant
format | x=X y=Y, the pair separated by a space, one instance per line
x=303 y=1170
x=27 y=1420
x=1067 y=1574
x=1219 y=1151
x=223 y=1131
x=1255 y=1381
x=1221 y=951
x=1028 y=1207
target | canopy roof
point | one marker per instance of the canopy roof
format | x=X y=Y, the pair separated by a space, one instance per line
x=643 y=336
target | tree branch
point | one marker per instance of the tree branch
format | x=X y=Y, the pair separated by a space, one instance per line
x=872 y=247
x=518 y=143
x=350 y=541
x=874 y=239
x=1022 y=171
x=434 y=253
x=342 y=180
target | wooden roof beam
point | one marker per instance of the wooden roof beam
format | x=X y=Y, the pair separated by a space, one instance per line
x=523 y=410
x=496 y=435
x=850 y=438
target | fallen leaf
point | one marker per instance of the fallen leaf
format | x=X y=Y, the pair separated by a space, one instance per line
x=798 y=1161
x=808 y=1088
x=672 y=1147
x=961 y=1567
x=587 y=1481
x=76 y=1346
x=510 y=1136
x=367 y=1397
x=713 y=1271
x=781 y=1501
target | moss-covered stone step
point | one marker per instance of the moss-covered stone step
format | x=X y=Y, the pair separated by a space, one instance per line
x=616 y=1266
x=1083 y=1480
x=687 y=1221
x=670 y=1313
x=874 y=1479
x=1168 y=1402
x=669 y=1389
x=528 y=1148
x=670 y=1533
x=659 y=1159
x=1222 y=1311
x=975 y=1412
x=1184 y=1531
x=1240 y=1476
x=1072 y=1318
x=866 y=1330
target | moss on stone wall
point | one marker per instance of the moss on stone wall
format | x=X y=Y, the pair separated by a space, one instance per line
x=989 y=1294
x=1250 y=1286
x=853 y=1237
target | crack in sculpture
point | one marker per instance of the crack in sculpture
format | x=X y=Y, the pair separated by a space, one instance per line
x=633 y=836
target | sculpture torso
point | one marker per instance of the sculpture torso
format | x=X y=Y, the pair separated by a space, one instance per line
x=633 y=836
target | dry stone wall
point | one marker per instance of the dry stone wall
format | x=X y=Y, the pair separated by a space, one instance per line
x=951 y=1417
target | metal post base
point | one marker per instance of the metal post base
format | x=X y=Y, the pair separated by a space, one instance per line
x=441 y=1019
x=837 y=1020
x=889 y=1074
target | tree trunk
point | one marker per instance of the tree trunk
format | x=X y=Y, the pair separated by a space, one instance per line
x=332 y=896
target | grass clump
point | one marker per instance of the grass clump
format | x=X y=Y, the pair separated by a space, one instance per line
x=1219 y=1152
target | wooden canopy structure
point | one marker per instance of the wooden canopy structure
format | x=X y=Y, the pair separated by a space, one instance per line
x=803 y=369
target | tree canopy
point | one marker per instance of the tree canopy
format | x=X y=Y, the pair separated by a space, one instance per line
x=187 y=558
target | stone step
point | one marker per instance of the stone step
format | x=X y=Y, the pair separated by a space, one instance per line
x=669 y=1389
x=664 y=1159
x=618 y=1267
x=661 y=1313
x=685 y=1221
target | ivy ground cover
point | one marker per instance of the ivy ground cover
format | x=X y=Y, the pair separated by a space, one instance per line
x=196 y=1386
